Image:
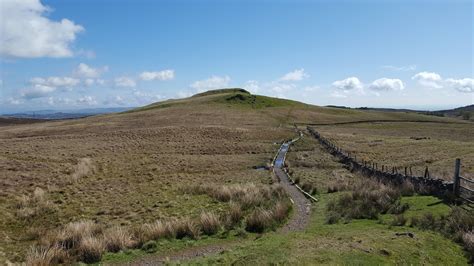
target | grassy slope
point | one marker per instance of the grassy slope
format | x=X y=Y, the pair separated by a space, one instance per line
x=144 y=156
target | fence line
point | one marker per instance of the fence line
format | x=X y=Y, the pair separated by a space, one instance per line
x=437 y=187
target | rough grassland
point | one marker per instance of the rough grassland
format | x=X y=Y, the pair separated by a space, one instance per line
x=356 y=242
x=409 y=144
x=130 y=168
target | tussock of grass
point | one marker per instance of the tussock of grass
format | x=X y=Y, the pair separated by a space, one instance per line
x=367 y=200
x=117 y=238
x=91 y=249
x=186 y=228
x=37 y=204
x=84 y=167
x=259 y=221
x=210 y=223
x=234 y=215
x=468 y=240
x=45 y=256
x=281 y=211
x=158 y=230
x=248 y=195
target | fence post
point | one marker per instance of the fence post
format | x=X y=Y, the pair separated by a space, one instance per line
x=457 y=180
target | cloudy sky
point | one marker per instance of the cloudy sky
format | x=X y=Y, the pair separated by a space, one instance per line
x=88 y=54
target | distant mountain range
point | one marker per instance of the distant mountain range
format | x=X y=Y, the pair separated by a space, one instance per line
x=66 y=114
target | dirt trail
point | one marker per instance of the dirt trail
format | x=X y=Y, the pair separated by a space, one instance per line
x=297 y=222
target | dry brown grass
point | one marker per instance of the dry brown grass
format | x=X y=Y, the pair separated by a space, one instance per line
x=46 y=256
x=91 y=249
x=84 y=167
x=414 y=145
x=158 y=230
x=72 y=234
x=118 y=238
x=36 y=204
x=235 y=214
x=468 y=240
x=259 y=221
x=186 y=228
x=281 y=211
x=210 y=223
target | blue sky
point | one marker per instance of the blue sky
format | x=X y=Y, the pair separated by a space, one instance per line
x=89 y=54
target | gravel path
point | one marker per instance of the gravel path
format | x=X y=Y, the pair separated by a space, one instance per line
x=297 y=222
x=301 y=205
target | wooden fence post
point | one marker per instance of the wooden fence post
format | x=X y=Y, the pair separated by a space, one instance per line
x=457 y=179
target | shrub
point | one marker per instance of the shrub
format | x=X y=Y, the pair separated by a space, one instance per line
x=90 y=249
x=399 y=220
x=45 y=256
x=210 y=223
x=186 y=228
x=117 y=238
x=259 y=221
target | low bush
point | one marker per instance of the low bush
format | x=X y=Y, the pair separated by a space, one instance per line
x=468 y=240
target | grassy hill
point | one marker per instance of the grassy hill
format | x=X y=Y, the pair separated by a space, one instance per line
x=123 y=172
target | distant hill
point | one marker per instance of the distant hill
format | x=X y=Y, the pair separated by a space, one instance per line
x=66 y=114
x=465 y=112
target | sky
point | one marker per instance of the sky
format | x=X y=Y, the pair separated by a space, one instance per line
x=91 y=54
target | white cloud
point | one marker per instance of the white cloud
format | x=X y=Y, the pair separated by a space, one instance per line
x=125 y=82
x=214 y=82
x=428 y=79
x=14 y=101
x=37 y=91
x=400 y=68
x=386 y=84
x=87 y=100
x=89 y=82
x=338 y=94
x=167 y=74
x=252 y=86
x=26 y=32
x=86 y=71
x=55 y=82
x=146 y=97
x=100 y=81
x=463 y=85
x=347 y=84
x=183 y=94
x=295 y=75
